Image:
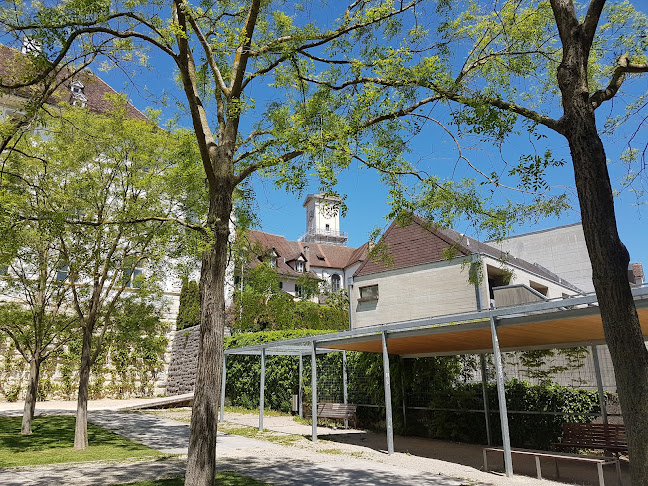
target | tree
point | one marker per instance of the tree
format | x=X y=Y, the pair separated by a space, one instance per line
x=102 y=183
x=34 y=276
x=552 y=64
x=221 y=51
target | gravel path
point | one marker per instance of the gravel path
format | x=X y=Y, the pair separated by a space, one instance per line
x=339 y=456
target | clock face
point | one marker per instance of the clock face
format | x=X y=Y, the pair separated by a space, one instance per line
x=328 y=212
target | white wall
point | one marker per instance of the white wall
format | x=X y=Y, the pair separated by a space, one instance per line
x=561 y=250
x=433 y=289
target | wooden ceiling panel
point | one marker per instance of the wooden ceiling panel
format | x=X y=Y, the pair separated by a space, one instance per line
x=559 y=332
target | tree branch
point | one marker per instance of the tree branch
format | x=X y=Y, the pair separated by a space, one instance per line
x=624 y=66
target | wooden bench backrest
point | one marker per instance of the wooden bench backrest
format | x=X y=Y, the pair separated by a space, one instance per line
x=604 y=436
x=336 y=409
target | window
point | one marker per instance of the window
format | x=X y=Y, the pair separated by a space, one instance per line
x=370 y=292
x=131 y=280
x=280 y=285
x=300 y=266
x=543 y=289
x=62 y=273
x=328 y=227
x=299 y=291
x=273 y=262
x=335 y=283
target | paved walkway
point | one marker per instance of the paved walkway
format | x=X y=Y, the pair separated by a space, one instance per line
x=271 y=462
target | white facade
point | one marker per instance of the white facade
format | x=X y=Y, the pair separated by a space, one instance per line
x=561 y=250
x=435 y=289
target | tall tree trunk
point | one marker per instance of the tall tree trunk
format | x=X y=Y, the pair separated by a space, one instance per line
x=201 y=460
x=607 y=254
x=81 y=427
x=30 y=399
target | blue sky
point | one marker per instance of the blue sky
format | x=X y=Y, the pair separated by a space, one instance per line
x=282 y=213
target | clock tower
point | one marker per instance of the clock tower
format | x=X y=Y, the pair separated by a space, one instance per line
x=323 y=220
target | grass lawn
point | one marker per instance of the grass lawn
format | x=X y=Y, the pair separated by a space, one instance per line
x=223 y=479
x=53 y=441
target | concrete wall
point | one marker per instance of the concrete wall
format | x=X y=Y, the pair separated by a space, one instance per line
x=561 y=250
x=412 y=293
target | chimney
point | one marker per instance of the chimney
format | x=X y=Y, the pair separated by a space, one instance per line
x=635 y=273
x=307 y=256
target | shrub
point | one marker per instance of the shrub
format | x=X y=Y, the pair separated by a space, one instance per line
x=189 y=310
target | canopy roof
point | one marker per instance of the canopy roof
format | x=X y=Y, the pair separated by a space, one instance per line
x=559 y=323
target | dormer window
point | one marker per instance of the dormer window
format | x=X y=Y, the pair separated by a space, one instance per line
x=78 y=96
x=273 y=262
x=300 y=266
x=77 y=87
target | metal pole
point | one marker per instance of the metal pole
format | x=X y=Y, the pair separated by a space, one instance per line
x=484 y=373
x=350 y=307
x=345 y=394
x=262 y=390
x=402 y=376
x=599 y=383
x=314 y=390
x=301 y=391
x=388 y=407
x=222 y=397
x=501 y=397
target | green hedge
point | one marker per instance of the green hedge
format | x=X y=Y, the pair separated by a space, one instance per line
x=282 y=372
x=441 y=374
x=532 y=430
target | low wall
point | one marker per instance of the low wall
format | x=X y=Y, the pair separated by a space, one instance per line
x=181 y=374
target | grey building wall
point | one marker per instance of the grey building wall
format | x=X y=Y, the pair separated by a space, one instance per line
x=561 y=250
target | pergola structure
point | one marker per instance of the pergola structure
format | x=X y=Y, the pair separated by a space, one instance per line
x=562 y=323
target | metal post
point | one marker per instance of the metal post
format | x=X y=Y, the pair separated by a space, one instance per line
x=402 y=376
x=484 y=373
x=501 y=397
x=350 y=306
x=314 y=390
x=345 y=394
x=262 y=390
x=301 y=391
x=599 y=383
x=388 y=407
x=222 y=397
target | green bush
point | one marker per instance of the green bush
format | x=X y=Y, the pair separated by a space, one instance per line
x=282 y=372
x=189 y=310
x=530 y=430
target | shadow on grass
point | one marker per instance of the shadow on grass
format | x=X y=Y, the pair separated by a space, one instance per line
x=227 y=478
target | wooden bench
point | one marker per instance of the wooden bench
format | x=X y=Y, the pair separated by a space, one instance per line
x=610 y=438
x=599 y=461
x=338 y=411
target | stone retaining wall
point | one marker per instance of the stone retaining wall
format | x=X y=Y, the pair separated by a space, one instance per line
x=181 y=374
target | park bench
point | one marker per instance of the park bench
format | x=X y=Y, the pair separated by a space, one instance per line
x=610 y=438
x=598 y=460
x=338 y=411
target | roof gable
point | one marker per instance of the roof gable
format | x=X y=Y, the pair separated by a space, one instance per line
x=416 y=243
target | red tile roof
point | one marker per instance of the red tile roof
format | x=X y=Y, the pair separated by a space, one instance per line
x=417 y=243
x=421 y=242
x=319 y=255
x=13 y=66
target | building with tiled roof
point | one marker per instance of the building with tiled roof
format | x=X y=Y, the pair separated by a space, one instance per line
x=425 y=273
x=320 y=253
x=82 y=89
